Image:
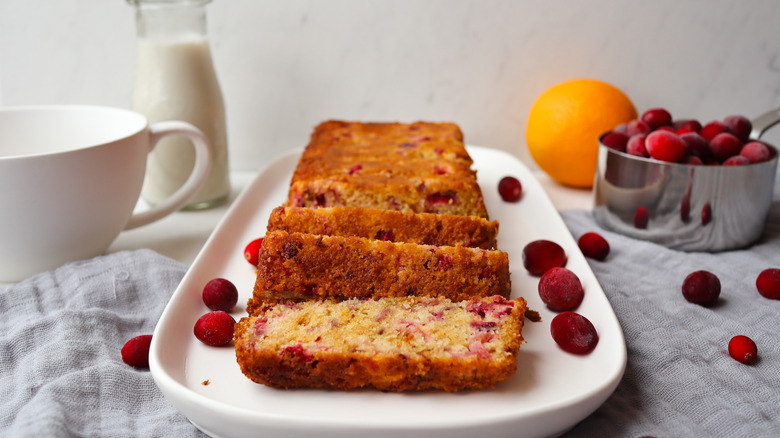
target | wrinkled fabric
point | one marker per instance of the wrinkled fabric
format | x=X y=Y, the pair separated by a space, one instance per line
x=680 y=380
x=60 y=343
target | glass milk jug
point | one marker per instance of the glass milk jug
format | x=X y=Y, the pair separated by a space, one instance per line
x=176 y=80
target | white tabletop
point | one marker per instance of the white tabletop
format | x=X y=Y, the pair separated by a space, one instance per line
x=181 y=235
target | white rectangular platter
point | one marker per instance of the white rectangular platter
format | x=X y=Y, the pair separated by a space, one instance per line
x=551 y=391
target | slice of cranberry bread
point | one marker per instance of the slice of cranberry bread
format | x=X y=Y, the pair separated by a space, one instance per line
x=420 y=167
x=394 y=226
x=300 y=266
x=392 y=344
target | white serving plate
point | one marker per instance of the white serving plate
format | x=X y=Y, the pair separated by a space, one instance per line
x=551 y=391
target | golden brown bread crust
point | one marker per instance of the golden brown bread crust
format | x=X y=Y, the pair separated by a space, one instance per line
x=301 y=266
x=394 y=226
x=392 y=344
x=420 y=167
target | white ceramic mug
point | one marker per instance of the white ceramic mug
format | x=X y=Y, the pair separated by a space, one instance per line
x=70 y=179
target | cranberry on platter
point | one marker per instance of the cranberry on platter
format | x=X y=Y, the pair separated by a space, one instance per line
x=510 y=189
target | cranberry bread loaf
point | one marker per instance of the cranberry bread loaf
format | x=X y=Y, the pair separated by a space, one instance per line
x=298 y=266
x=395 y=226
x=420 y=167
x=392 y=344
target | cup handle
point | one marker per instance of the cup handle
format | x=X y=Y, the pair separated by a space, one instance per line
x=198 y=176
x=762 y=123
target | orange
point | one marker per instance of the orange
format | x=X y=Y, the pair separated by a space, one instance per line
x=565 y=123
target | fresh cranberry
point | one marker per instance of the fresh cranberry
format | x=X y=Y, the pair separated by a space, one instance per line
x=725 y=145
x=220 y=294
x=743 y=349
x=755 y=151
x=541 y=255
x=615 y=140
x=635 y=127
x=736 y=160
x=688 y=125
x=252 y=251
x=740 y=126
x=574 y=333
x=560 y=289
x=711 y=129
x=701 y=287
x=636 y=146
x=135 y=352
x=696 y=145
x=768 y=283
x=693 y=160
x=510 y=189
x=665 y=146
x=215 y=328
x=657 y=117
x=641 y=217
x=593 y=245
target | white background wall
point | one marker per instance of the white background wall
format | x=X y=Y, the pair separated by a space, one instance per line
x=286 y=65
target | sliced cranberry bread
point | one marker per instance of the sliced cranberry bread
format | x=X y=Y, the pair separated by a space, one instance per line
x=300 y=266
x=420 y=167
x=391 y=225
x=392 y=344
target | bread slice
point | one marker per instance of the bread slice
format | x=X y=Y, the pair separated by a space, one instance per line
x=392 y=344
x=300 y=266
x=394 y=226
x=420 y=167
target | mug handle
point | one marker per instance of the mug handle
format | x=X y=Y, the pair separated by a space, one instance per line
x=196 y=179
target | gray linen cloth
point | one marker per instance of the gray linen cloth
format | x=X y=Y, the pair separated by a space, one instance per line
x=60 y=342
x=62 y=332
x=680 y=380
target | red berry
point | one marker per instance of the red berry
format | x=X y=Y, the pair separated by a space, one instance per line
x=135 y=352
x=641 y=217
x=693 y=160
x=215 y=328
x=510 y=189
x=636 y=146
x=560 y=289
x=615 y=140
x=220 y=294
x=593 y=245
x=736 y=160
x=252 y=251
x=755 y=151
x=656 y=118
x=706 y=214
x=725 y=145
x=701 y=287
x=574 y=333
x=665 y=146
x=740 y=126
x=542 y=255
x=697 y=146
x=768 y=283
x=689 y=125
x=635 y=127
x=743 y=349
x=710 y=130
